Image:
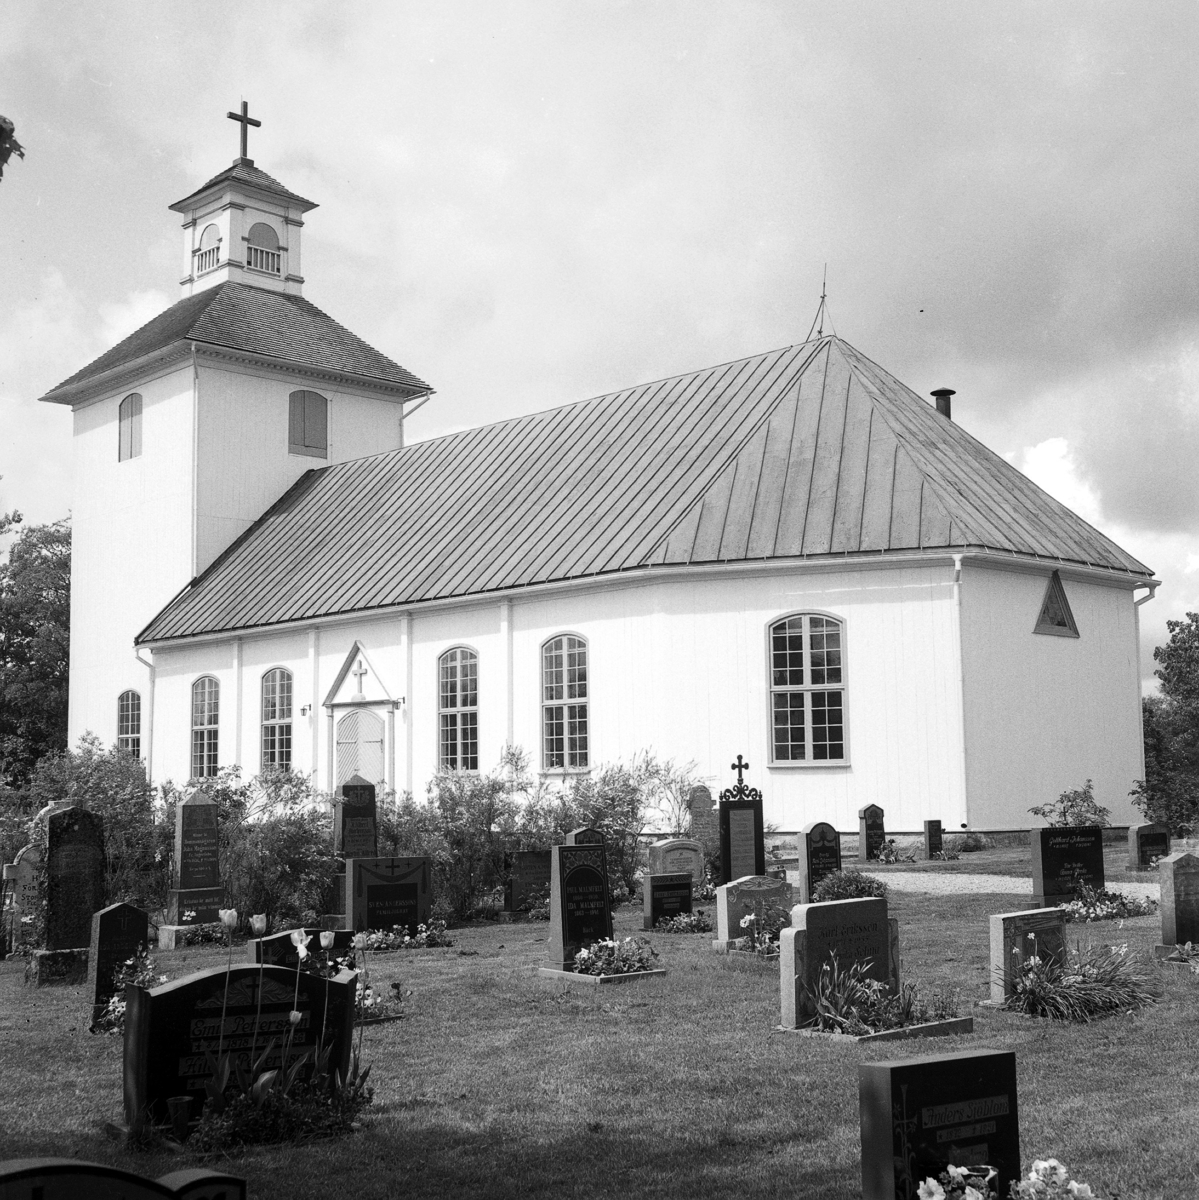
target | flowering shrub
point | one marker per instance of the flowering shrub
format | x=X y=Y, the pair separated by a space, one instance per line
x=140 y=969
x=398 y=938
x=1075 y=807
x=847 y=1001
x=961 y=1183
x=762 y=928
x=610 y=957
x=847 y=885
x=692 y=922
x=1083 y=985
x=1098 y=904
x=1048 y=1180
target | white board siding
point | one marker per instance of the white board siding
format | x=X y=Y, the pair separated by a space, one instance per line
x=1043 y=714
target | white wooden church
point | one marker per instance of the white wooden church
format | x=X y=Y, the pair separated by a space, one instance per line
x=791 y=557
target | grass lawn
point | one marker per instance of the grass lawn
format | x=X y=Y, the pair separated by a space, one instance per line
x=1011 y=860
x=499 y=1084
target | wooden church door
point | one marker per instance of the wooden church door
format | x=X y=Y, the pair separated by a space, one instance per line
x=360 y=747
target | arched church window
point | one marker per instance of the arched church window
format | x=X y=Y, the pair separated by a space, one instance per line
x=276 y=720
x=129 y=724
x=360 y=746
x=458 y=710
x=129 y=426
x=564 y=703
x=308 y=424
x=807 y=689
x=208 y=253
x=262 y=249
x=206 y=703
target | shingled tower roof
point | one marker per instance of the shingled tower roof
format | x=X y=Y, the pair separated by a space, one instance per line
x=810 y=452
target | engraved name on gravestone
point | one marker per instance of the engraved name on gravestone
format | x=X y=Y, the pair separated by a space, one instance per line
x=528 y=879
x=871 y=834
x=1018 y=936
x=170 y=1031
x=1145 y=843
x=1180 y=899
x=933 y=840
x=920 y=1115
x=74 y=877
x=665 y=896
x=118 y=933
x=355 y=833
x=675 y=855
x=772 y=898
x=385 y=892
x=197 y=887
x=855 y=930
x=1063 y=857
x=819 y=855
x=580 y=912
x=279 y=950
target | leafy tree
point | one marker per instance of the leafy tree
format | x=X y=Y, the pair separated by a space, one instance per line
x=35 y=614
x=1077 y=806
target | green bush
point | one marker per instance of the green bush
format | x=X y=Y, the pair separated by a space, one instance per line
x=847 y=885
x=1075 y=807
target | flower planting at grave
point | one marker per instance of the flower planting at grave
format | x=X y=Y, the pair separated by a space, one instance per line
x=429 y=936
x=612 y=957
x=1082 y=985
x=692 y=922
x=762 y=927
x=1099 y=904
x=140 y=969
x=1187 y=953
x=848 y=885
x=960 y=1183
x=1050 y=1180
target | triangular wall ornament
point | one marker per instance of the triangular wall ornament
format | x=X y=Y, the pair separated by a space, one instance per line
x=1056 y=617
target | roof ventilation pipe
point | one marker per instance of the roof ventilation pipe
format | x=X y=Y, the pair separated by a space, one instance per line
x=941 y=395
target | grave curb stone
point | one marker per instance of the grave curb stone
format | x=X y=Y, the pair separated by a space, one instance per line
x=598 y=980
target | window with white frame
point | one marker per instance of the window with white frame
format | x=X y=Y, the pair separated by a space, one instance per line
x=458 y=709
x=129 y=724
x=129 y=427
x=564 y=704
x=807 y=689
x=206 y=705
x=276 y=720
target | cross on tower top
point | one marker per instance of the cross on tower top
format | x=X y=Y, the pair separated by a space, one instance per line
x=740 y=767
x=245 y=121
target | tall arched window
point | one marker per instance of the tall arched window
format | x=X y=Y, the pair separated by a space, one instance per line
x=276 y=720
x=129 y=724
x=206 y=711
x=129 y=422
x=807 y=689
x=262 y=249
x=458 y=709
x=308 y=424
x=564 y=703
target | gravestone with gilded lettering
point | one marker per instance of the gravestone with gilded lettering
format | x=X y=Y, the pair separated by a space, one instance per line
x=1017 y=937
x=118 y=933
x=171 y=1030
x=1180 y=899
x=819 y=855
x=871 y=834
x=934 y=842
x=1064 y=857
x=742 y=833
x=753 y=896
x=382 y=893
x=856 y=931
x=355 y=829
x=580 y=911
x=528 y=880
x=678 y=854
x=665 y=895
x=1145 y=843
x=72 y=1178
x=197 y=894
x=921 y=1115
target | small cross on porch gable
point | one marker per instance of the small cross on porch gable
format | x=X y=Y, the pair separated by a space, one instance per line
x=360 y=673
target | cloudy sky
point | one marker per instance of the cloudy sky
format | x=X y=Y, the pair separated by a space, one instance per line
x=531 y=203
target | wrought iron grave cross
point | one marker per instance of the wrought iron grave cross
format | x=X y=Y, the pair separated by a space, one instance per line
x=245 y=121
x=740 y=767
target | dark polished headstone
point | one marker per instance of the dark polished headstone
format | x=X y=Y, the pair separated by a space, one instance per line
x=819 y=855
x=1180 y=899
x=580 y=912
x=871 y=834
x=118 y=933
x=384 y=892
x=921 y=1115
x=933 y=841
x=74 y=877
x=355 y=820
x=197 y=885
x=1145 y=843
x=742 y=839
x=1063 y=857
x=170 y=1030
x=74 y=1179
x=665 y=896
x=528 y=877
x=279 y=950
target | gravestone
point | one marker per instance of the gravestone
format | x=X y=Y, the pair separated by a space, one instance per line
x=118 y=933
x=855 y=930
x=1147 y=842
x=279 y=950
x=933 y=841
x=740 y=899
x=678 y=854
x=384 y=892
x=666 y=896
x=528 y=879
x=921 y=1115
x=73 y=1179
x=705 y=823
x=580 y=913
x=20 y=878
x=742 y=834
x=197 y=893
x=1063 y=858
x=355 y=832
x=819 y=855
x=871 y=834
x=585 y=836
x=74 y=877
x=170 y=1030
x=1180 y=899
x=1016 y=937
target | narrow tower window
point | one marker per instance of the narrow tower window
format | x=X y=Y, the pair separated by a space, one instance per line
x=129 y=422
x=564 y=704
x=276 y=721
x=308 y=424
x=206 y=702
x=262 y=249
x=459 y=705
x=129 y=724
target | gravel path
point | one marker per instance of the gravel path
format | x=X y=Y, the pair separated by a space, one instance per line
x=942 y=884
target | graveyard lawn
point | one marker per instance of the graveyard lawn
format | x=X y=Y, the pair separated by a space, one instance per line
x=500 y=1084
x=1004 y=860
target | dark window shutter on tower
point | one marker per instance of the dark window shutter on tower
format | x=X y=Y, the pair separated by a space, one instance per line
x=308 y=424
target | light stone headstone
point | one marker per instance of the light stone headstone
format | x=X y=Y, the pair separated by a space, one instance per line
x=1180 y=899
x=20 y=877
x=705 y=822
x=1018 y=936
x=675 y=855
x=584 y=836
x=739 y=899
